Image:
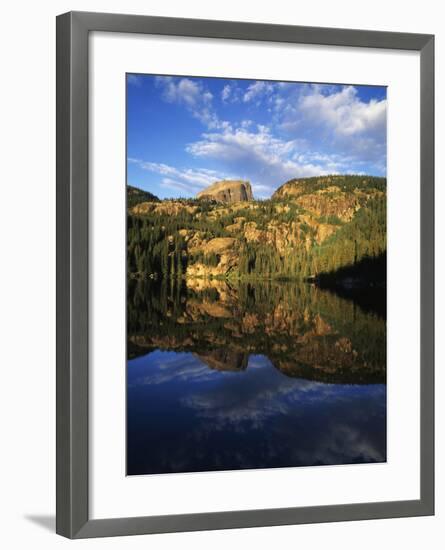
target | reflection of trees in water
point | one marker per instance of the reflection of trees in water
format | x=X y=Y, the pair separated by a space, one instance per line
x=305 y=332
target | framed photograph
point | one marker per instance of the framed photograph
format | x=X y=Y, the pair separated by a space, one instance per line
x=245 y=282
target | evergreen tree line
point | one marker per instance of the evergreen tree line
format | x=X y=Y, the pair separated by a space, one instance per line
x=347 y=183
x=157 y=247
x=363 y=237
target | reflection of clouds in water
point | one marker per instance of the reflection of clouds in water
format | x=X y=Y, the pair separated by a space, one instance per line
x=256 y=397
x=255 y=418
x=303 y=439
x=341 y=438
x=336 y=444
x=163 y=367
x=285 y=406
x=228 y=404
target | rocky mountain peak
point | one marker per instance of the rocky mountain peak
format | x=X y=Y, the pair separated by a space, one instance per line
x=227 y=191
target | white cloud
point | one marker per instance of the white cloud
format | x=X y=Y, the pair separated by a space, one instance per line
x=337 y=121
x=134 y=80
x=344 y=112
x=184 y=188
x=225 y=94
x=262 y=158
x=232 y=93
x=312 y=130
x=256 y=90
x=184 y=90
x=187 y=180
x=193 y=95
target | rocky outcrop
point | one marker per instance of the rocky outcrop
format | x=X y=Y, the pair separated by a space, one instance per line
x=327 y=196
x=336 y=205
x=225 y=252
x=167 y=207
x=228 y=191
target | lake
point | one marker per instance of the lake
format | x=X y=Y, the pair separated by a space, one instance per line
x=227 y=376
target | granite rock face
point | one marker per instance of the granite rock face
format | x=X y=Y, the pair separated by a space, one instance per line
x=327 y=196
x=228 y=191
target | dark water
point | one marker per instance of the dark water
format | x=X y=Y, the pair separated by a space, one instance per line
x=224 y=377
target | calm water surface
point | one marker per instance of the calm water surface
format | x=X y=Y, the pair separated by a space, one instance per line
x=224 y=377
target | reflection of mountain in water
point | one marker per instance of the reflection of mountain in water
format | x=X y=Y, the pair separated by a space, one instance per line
x=305 y=332
x=225 y=360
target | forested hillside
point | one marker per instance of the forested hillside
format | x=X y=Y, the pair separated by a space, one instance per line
x=136 y=196
x=309 y=227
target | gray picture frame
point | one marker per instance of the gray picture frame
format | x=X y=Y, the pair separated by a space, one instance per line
x=72 y=225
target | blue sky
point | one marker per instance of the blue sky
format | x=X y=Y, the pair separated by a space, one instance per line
x=184 y=133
